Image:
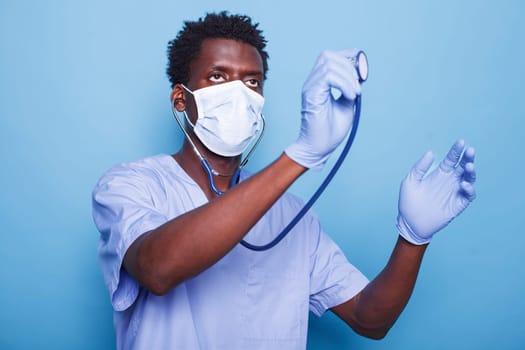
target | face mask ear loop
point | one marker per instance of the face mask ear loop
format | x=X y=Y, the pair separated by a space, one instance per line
x=245 y=160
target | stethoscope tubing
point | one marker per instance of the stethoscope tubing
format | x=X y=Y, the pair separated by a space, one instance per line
x=209 y=171
x=320 y=190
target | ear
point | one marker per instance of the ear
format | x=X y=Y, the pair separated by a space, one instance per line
x=177 y=98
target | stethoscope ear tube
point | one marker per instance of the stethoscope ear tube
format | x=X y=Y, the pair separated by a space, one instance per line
x=205 y=164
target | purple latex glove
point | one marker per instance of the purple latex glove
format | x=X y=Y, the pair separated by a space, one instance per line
x=429 y=203
x=326 y=120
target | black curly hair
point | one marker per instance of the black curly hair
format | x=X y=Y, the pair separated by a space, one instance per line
x=186 y=46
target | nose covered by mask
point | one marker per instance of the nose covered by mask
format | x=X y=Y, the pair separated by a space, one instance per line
x=229 y=117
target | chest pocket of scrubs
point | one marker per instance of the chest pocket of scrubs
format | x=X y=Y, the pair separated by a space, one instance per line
x=274 y=306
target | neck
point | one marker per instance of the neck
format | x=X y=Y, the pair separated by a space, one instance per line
x=223 y=168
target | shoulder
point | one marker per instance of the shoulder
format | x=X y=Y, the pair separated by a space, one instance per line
x=146 y=172
x=153 y=166
x=143 y=166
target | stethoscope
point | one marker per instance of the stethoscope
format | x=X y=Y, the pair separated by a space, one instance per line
x=204 y=162
x=360 y=62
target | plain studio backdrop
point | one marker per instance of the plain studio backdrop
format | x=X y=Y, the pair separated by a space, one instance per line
x=83 y=87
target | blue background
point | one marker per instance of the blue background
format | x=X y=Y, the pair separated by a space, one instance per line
x=82 y=87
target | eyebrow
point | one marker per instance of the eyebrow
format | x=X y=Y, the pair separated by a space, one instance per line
x=254 y=72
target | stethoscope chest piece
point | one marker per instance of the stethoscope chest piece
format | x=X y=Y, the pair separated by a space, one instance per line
x=361 y=65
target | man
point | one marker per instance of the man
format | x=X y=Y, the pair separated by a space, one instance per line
x=171 y=225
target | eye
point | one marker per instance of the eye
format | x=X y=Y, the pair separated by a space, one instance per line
x=253 y=83
x=216 y=78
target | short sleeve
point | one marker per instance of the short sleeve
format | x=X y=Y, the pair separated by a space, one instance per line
x=124 y=207
x=333 y=280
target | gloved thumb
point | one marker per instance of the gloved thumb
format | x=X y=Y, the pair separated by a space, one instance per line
x=422 y=165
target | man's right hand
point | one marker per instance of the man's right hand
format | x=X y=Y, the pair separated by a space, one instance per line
x=326 y=120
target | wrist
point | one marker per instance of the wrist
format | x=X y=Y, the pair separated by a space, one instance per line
x=305 y=157
x=294 y=165
x=405 y=231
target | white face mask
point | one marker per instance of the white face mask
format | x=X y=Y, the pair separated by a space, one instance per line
x=229 y=117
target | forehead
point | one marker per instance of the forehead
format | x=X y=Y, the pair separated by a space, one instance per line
x=220 y=52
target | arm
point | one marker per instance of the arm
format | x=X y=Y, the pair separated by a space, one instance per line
x=374 y=310
x=185 y=246
x=426 y=205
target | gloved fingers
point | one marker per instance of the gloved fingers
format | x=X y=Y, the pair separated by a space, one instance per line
x=469 y=175
x=421 y=167
x=468 y=191
x=468 y=156
x=346 y=58
x=342 y=75
x=333 y=70
x=451 y=160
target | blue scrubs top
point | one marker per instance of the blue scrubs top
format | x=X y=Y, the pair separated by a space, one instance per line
x=247 y=300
